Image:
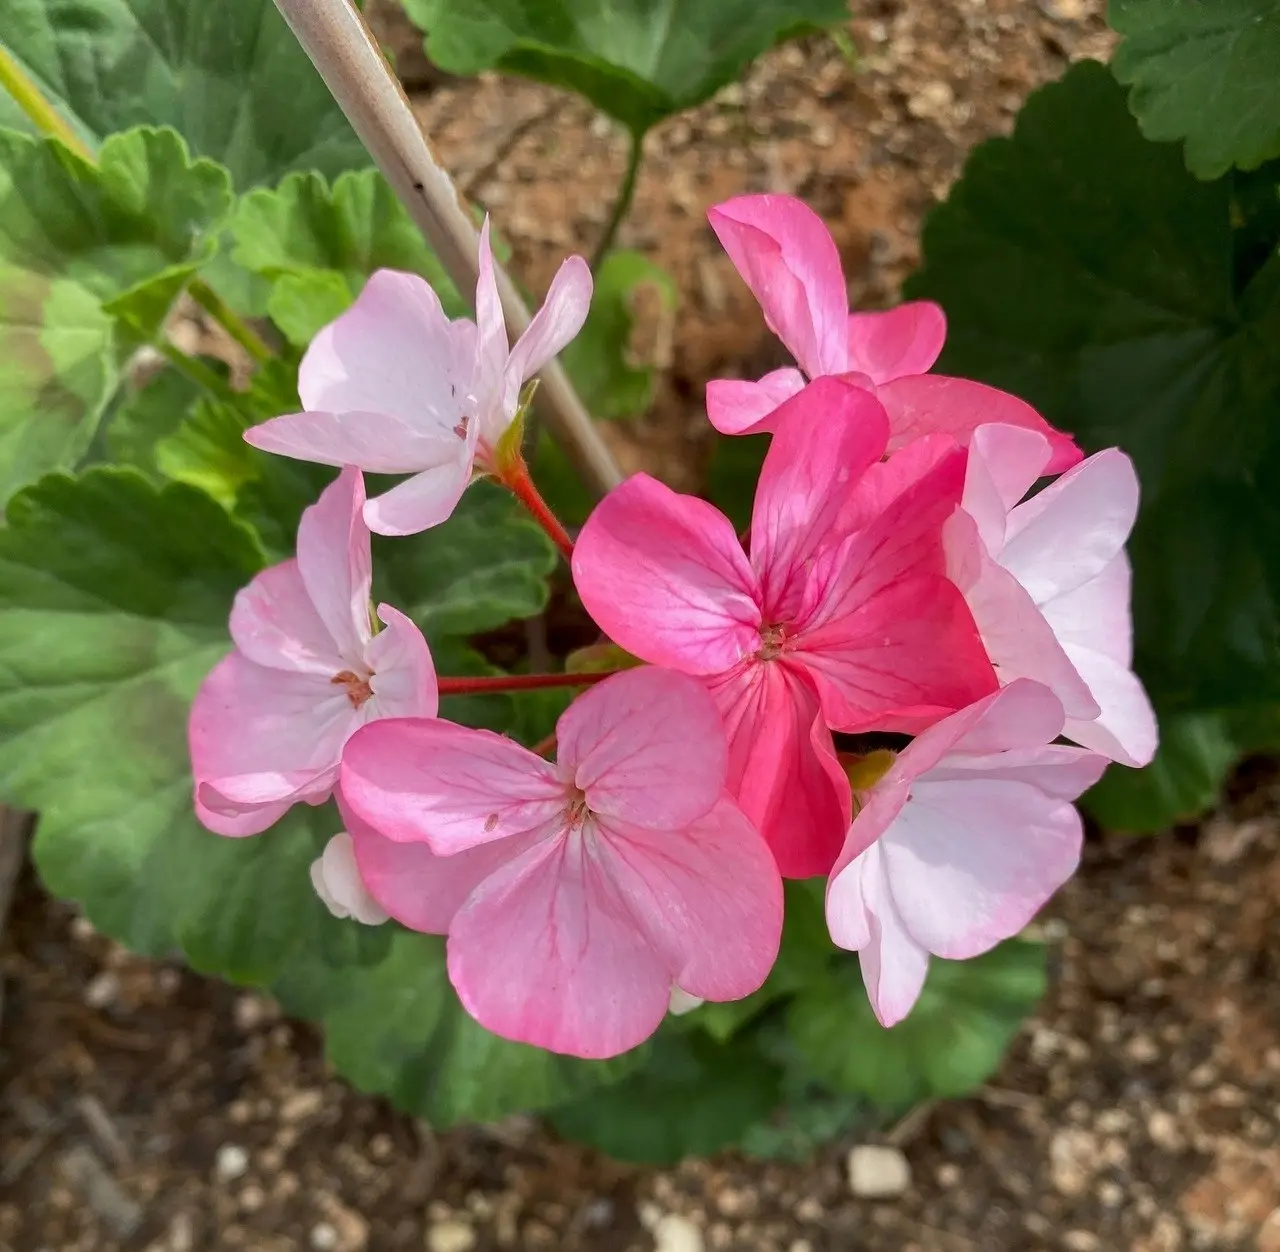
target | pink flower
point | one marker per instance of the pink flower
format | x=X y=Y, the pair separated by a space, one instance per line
x=841 y=617
x=394 y=387
x=337 y=881
x=576 y=896
x=960 y=844
x=787 y=257
x=1048 y=582
x=268 y=723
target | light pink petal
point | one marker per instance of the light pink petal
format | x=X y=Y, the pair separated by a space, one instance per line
x=848 y=921
x=647 y=748
x=1004 y=463
x=924 y=403
x=1074 y=528
x=265 y=737
x=337 y=882
x=1056 y=769
x=787 y=257
x=274 y=623
x=1125 y=729
x=423 y=501
x=971 y=861
x=449 y=786
x=825 y=439
x=1018 y=638
x=554 y=326
x=404 y=676
x=1023 y=714
x=419 y=889
x=390 y=353
x=1096 y=615
x=380 y=443
x=335 y=562
x=783 y=769
x=738 y=407
x=248 y=804
x=708 y=896
x=893 y=964
x=665 y=577
x=547 y=952
x=905 y=340
x=490 y=346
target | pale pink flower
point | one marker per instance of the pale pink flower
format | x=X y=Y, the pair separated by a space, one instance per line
x=787 y=257
x=575 y=895
x=842 y=616
x=268 y=723
x=1049 y=584
x=961 y=843
x=337 y=882
x=394 y=387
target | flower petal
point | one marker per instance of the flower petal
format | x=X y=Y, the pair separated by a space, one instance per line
x=546 y=952
x=709 y=897
x=337 y=882
x=390 y=353
x=923 y=403
x=1096 y=615
x=901 y=341
x=404 y=675
x=553 y=326
x=423 y=501
x=335 y=562
x=738 y=407
x=647 y=748
x=381 y=443
x=665 y=577
x=786 y=255
x=275 y=624
x=491 y=348
x=825 y=439
x=1125 y=729
x=449 y=786
x=1004 y=463
x=783 y=769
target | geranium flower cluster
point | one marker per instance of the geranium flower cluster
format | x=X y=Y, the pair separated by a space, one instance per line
x=897 y=576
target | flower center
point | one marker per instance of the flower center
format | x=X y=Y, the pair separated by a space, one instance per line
x=358 y=689
x=773 y=639
x=576 y=812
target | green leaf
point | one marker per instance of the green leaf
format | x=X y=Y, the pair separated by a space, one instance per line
x=733 y=474
x=113 y=604
x=229 y=76
x=636 y=60
x=127 y=233
x=1084 y=269
x=601 y=361
x=142 y=415
x=693 y=1097
x=318 y=243
x=1206 y=73
x=952 y=1041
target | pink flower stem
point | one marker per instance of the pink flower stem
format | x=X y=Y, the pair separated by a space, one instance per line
x=516 y=479
x=516 y=682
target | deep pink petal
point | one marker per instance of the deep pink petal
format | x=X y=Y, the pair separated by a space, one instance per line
x=925 y=403
x=390 y=353
x=709 y=897
x=553 y=326
x=1074 y=528
x=449 y=786
x=825 y=439
x=783 y=769
x=546 y=951
x=664 y=576
x=647 y=748
x=419 y=889
x=337 y=881
x=786 y=255
x=275 y=624
x=883 y=483
x=404 y=676
x=905 y=340
x=423 y=501
x=381 y=443
x=738 y=407
x=335 y=562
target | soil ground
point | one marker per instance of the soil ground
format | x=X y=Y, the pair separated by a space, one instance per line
x=146 y=1108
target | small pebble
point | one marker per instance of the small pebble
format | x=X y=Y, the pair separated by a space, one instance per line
x=231 y=1163
x=323 y=1237
x=452 y=1235
x=103 y=990
x=878 y=1172
x=674 y=1233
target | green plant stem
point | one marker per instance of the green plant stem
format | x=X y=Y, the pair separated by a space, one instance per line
x=196 y=370
x=44 y=117
x=622 y=203
x=229 y=320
